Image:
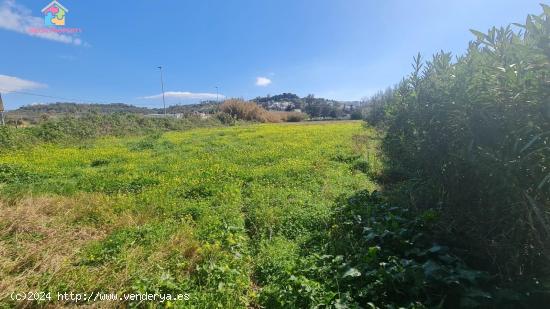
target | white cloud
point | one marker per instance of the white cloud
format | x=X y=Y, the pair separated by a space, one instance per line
x=14 y=17
x=10 y=83
x=263 y=81
x=185 y=95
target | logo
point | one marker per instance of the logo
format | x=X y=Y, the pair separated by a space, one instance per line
x=54 y=21
x=54 y=14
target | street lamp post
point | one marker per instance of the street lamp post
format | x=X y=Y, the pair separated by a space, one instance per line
x=162 y=86
x=1 y=111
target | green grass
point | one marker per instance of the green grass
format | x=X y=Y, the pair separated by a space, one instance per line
x=208 y=212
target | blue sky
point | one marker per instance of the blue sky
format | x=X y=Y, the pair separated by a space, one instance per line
x=336 y=49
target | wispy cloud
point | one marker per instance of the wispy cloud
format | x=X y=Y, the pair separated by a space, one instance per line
x=185 y=95
x=262 y=81
x=11 y=83
x=15 y=17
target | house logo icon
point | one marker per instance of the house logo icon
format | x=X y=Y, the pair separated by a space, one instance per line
x=54 y=14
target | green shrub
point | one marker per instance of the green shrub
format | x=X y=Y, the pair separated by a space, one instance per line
x=373 y=255
x=356 y=115
x=226 y=118
x=6 y=137
x=11 y=138
x=471 y=139
x=388 y=257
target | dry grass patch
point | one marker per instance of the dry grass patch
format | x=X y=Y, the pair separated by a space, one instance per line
x=38 y=240
x=249 y=111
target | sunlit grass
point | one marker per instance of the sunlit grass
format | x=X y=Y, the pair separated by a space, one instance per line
x=182 y=212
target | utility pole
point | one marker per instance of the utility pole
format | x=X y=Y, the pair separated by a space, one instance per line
x=162 y=85
x=2 y=111
x=217 y=94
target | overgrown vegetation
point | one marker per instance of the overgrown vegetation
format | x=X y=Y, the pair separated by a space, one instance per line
x=269 y=215
x=68 y=129
x=180 y=212
x=469 y=138
x=250 y=111
x=290 y=216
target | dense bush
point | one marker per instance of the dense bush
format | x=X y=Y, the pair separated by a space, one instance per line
x=356 y=115
x=375 y=255
x=225 y=118
x=374 y=106
x=12 y=138
x=471 y=139
x=248 y=111
x=388 y=257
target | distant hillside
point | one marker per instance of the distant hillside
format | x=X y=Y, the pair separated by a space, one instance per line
x=315 y=107
x=78 y=108
x=32 y=112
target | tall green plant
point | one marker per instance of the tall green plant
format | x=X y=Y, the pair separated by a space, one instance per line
x=471 y=136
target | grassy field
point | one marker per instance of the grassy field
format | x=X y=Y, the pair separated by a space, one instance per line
x=207 y=212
